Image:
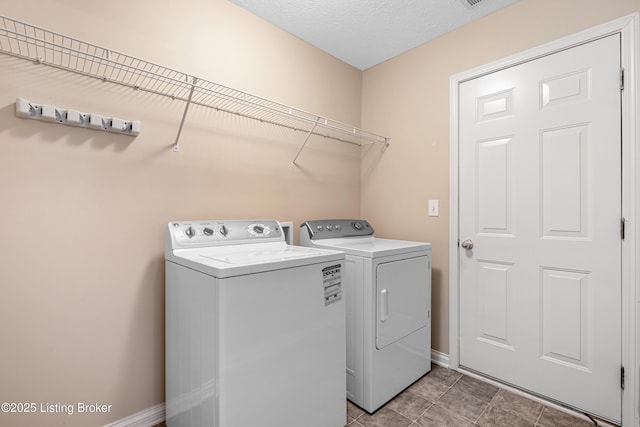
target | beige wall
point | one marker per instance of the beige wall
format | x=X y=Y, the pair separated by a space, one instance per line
x=82 y=213
x=407 y=98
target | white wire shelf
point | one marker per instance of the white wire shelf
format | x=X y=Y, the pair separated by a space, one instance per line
x=47 y=47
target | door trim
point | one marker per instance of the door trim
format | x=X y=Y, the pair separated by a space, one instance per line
x=629 y=28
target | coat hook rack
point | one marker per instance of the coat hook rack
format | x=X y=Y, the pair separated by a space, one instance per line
x=69 y=117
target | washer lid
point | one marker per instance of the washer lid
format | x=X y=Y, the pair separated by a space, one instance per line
x=371 y=247
x=235 y=260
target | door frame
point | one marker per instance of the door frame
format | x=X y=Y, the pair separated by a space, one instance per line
x=629 y=28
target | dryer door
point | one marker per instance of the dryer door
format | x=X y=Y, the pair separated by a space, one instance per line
x=403 y=298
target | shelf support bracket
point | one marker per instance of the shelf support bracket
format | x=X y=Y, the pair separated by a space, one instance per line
x=293 y=163
x=176 y=145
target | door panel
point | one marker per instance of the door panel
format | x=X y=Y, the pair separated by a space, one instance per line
x=494 y=210
x=493 y=302
x=565 y=315
x=565 y=181
x=540 y=197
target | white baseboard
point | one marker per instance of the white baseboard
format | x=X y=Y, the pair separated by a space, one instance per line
x=146 y=418
x=440 y=359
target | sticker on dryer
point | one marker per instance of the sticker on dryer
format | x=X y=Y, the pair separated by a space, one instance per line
x=332 y=282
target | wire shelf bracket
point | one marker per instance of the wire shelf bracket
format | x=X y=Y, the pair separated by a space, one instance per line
x=176 y=145
x=43 y=46
x=293 y=162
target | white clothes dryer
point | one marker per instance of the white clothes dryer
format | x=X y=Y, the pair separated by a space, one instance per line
x=388 y=301
x=255 y=328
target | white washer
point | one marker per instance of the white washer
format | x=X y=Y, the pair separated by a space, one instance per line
x=388 y=296
x=255 y=328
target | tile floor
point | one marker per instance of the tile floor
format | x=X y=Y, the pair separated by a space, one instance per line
x=446 y=398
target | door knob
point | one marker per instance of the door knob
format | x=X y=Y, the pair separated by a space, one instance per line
x=467 y=244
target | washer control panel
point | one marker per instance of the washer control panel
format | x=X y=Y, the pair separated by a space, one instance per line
x=211 y=233
x=335 y=228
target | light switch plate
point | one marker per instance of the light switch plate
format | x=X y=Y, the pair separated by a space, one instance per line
x=434 y=207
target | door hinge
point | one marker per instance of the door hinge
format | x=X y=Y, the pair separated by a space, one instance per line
x=621 y=78
x=622 y=377
x=622 y=224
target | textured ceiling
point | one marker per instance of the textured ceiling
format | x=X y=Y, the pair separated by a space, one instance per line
x=364 y=33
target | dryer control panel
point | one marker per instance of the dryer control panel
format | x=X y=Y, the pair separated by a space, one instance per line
x=190 y=234
x=336 y=228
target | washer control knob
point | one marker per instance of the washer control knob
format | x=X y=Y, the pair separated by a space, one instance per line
x=190 y=232
x=329 y=227
x=357 y=226
x=259 y=229
x=208 y=231
x=320 y=228
x=338 y=227
x=224 y=230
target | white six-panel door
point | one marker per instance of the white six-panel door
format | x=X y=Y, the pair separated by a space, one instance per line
x=540 y=202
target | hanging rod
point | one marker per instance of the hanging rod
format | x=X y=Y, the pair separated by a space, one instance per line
x=47 y=47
